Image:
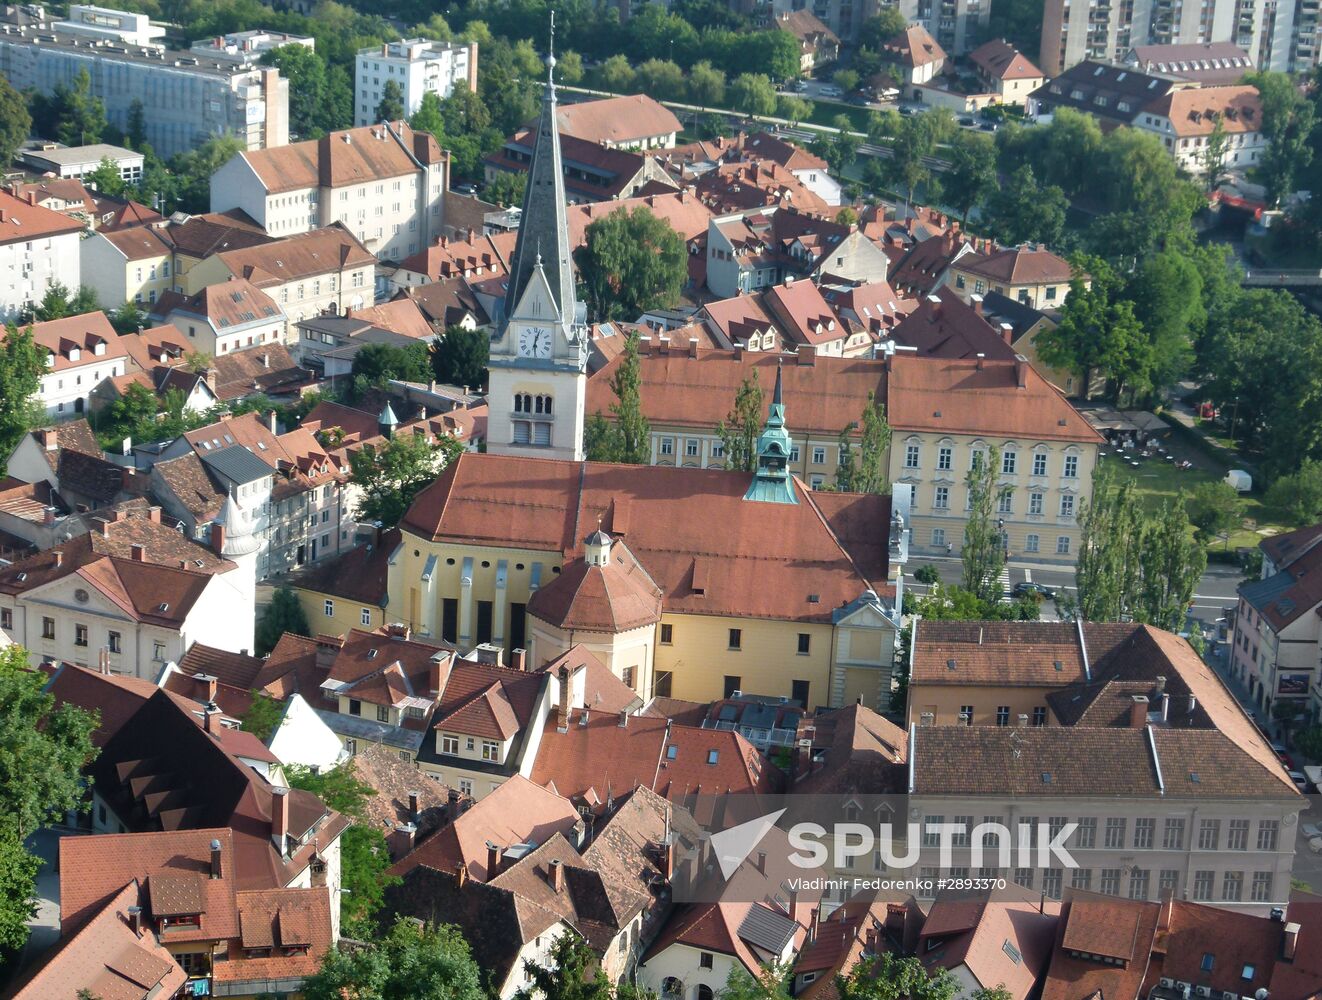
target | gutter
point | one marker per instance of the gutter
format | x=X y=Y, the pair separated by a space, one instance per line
x=1156 y=760
x=1083 y=649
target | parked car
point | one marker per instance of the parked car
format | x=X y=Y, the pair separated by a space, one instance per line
x=988 y=126
x=1300 y=780
x=906 y=111
x=1035 y=590
x=1283 y=754
x=468 y=189
x=967 y=122
x=831 y=90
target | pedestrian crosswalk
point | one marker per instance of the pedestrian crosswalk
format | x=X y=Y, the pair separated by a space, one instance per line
x=1005 y=583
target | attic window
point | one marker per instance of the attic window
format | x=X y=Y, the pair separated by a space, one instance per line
x=261 y=445
x=163 y=607
x=1248 y=973
x=22 y=577
x=1058 y=665
x=814 y=598
x=1046 y=777
x=1013 y=952
x=1208 y=961
x=371 y=654
x=950 y=664
x=672 y=752
x=1193 y=776
x=713 y=756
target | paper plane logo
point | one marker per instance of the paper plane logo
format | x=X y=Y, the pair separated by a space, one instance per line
x=732 y=846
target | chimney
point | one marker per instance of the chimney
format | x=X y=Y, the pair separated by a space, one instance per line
x=1138 y=712
x=48 y=516
x=1165 y=707
x=976 y=302
x=211 y=683
x=807 y=355
x=137 y=553
x=280 y=818
x=1193 y=704
x=494 y=854
x=215 y=860
x=460 y=874
x=49 y=438
x=1007 y=331
x=434 y=677
x=814 y=919
x=401 y=840
x=135 y=920
x=1160 y=684
x=270 y=417
x=562 y=714
x=1020 y=371
x=663 y=343
x=519 y=659
x=210 y=713
x=935 y=302
x=218 y=538
x=328 y=647
x=557 y=875
x=1023 y=720
x=105 y=526
x=1290 y=942
x=762 y=862
x=59 y=558
x=154 y=515
x=870 y=941
x=693 y=347
x=981 y=358
x=413 y=805
x=624 y=719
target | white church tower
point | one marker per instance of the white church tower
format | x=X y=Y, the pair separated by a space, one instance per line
x=539 y=359
x=240 y=545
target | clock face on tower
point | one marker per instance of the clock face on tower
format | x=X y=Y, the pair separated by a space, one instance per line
x=535 y=342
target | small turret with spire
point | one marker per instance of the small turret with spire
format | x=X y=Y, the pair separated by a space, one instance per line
x=772 y=481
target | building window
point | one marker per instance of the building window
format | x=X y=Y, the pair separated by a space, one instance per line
x=6 y=618
x=966 y=715
x=1032 y=543
x=667 y=634
x=1081 y=878
x=329 y=609
x=944 y=458
x=1202 y=885
x=1232 y=887
x=1115 y=832
x=1172 y=834
x=1005 y=502
x=1039 y=463
x=112 y=641
x=1169 y=882
x=1267 y=834
x=382 y=713
x=1009 y=461
x=818 y=455
x=80 y=635
x=691 y=447
x=941 y=500
x=490 y=750
x=1071 y=467
x=1040 y=715
x=1085 y=837
x=355 y=707
x=158 y=650
x=1261 y=889
x=667 y=446
x=911 y=456
x=1003 y=715
x=466 y=787
x=938 y=536
x=48 y=628
x=1023 y=877
x=1138 y=883
x=1063 y=545
x=1052 y=882
x=736 y=638
x=1145 y=829
x=805 y=643
x=1067 y=505
x=450 y=744
x=1036 y=502
x=704 y=960
x=627 y=677
x=365 y=617
x=1237 y=837
x=1110 y=881
x=1209 y=833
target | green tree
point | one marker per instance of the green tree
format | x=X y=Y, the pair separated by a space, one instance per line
x=972 y=174
x=1108 y=568
x=15 y=121
x=82 y=116
x=1309 y=742
x=390 y=475
x=661 y=79
x=377 y=363
x=1172 y=564
x=319 y=99
x=1212 y=158
x=435 y=27
x=889 y=977
x=1297 y=497
x=628 y=438
x=429 y=117
x=506 y=189
x=867 y=473
x=793 y=109
x=420 y=963
x=740 y=429
x=193 y=170
x=567 y=976
x=1022 y=211
x=391 y=107
x=772 y=982
x=43 y=750
x=753 y=94
x=136 y=133
x=283 y=614
x=339 y=787
x=22 y=363
x=460 y=357
x=569 y=68
x=631 y=261
x=1214 y=508
x=615 y=75
x=983 y=554
x=706 y=85
x=837 y=148
x=1288 y=124
x=776 y=52
x=106 y=179
x=879 y=29
x=264 y=712
x=845 y=79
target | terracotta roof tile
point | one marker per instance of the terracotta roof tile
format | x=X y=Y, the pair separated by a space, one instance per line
x=21 y=222
x=1122 y=925
x=620 y=120
x=1023 y=265
x=352 y=156
x=612 y=598
x=74 y=342
x=1197 y=111
x=303 y=255
x=1002 y=61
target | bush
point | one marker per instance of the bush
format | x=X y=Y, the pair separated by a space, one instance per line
x=927 y=574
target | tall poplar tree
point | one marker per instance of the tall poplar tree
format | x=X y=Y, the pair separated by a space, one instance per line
x=984 y=550
x=628 y=438
x=1111 y=536
x=1172 y=564
x=741 y=427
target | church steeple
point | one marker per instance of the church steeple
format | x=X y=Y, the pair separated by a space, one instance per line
x=771 y=483
x=543 y=243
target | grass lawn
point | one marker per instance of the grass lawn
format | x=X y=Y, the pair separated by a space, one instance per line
x=1160 y=481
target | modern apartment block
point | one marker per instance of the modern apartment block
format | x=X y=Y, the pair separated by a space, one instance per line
x=1277 y=34
x=187 y=97
x=418 y=65
x=959 y=25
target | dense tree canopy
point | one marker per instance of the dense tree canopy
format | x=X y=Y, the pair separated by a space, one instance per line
x=391 y=474
x=409 y=963
x=632 y=261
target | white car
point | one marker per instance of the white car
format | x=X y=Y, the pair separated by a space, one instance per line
x=831 y=90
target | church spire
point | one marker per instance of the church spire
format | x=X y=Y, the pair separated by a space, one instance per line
x=543 y=242
x=771 y=482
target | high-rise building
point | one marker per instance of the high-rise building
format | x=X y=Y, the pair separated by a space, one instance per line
x=186 y=97
x=418 y=65
x=959 y=25
x=538 y=361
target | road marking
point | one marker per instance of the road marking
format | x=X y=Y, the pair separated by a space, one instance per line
x=1028 y=575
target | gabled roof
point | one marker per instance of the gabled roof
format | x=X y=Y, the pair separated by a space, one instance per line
x=854 y=751
x=945 y=326
x=357 y=575
x=803 y=314
x=351 y=156
x=202 y=235
x=614 y=598
x=74 y=341
x=21 y=222
x=139 y=242
x=1198 y=111
x=806 y=26
x=621 y=120
x=739 y=318
x=485 y=700
x=1208 y=63
x=303 y=255
x=1093 y=924
x=225 y=305
x=913 y=47
x=1022 y=265
x=1002 y=61
x=1002 y=937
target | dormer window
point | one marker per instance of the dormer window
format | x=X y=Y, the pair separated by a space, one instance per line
x=75 y=353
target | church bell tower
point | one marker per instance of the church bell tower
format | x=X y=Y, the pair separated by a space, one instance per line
x=539 y=357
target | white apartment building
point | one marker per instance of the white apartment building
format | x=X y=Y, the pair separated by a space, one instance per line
x=246 y=48
x=385 y=183
x=232 y=315
x=83 y=351
x=419 y=65
x=1186 y=119
x=37 y=248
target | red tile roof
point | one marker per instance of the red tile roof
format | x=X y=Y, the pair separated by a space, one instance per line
x=772 y=561
x=1097 y=924
x=1198 y=111
x=294 y=923
x=1002 y=61
x=803 y=314
x=614 y=598
x=78 y=341
x=21 y=222
x=352 y=156
x=618 y=120
x=1022 y=265
x=913 y=47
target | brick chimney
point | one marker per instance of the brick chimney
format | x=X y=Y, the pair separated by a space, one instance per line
x=556 y=875
x=976 y=302
x=280 y=818
x=1138 y=712
x=562 y=713
x=1290 y=942
x=218 y=538
x=693 y=347
x=1020 y=372
x=135 y=920
x=154 y=515
x=935 y=302
x=211 y=717
x=1007 y=331
x=494 y=856
x=328 y=647
x=519 y=659
x=460 y=874
x=401 y=840
x=216 y=871
x=58 y=557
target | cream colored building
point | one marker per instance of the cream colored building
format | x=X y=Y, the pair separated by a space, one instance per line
x=127 y=265
x=942 y=412
x=1028 y=274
